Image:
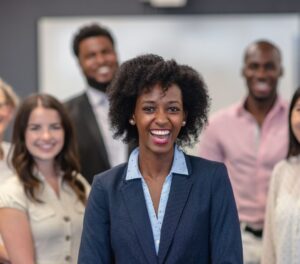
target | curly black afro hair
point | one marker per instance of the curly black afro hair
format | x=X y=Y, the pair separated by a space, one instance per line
x=141 y=74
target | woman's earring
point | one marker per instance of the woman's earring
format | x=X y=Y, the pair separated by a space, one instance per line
x=183 y=123
x=131 y=122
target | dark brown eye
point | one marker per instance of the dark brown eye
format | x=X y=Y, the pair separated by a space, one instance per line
x=148 y=109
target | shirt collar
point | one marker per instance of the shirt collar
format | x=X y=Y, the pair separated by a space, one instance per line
x=279 y=105
x=178 y=166
x=41 y=177
x=96 y=97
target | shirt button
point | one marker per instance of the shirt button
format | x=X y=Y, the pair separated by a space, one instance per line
x=68 y=258
x=67 y=238
x=67 y=218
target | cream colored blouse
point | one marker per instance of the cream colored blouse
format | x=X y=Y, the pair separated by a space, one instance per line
x=5 y=171
x=56 y=224
x=281 y=241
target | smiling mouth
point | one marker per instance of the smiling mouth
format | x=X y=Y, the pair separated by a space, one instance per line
x=160 y=136
x=262 y=86
x=46 y=147
x=104 y=70
x=160 y=132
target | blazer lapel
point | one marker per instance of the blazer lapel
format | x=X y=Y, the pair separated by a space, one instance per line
x=93 y=128
x=179 y=193
x=136 y=205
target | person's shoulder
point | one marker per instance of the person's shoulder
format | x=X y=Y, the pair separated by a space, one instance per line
x=12 y=185
x=111 y=177
x=223 y=114
x=207 y=174
x=283 y=102
x=285 y=105
x=285 y=166
x=204 y=165
x=74 y=100
x=280 y=165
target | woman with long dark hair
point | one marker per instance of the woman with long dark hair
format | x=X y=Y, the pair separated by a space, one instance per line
x=41 y=209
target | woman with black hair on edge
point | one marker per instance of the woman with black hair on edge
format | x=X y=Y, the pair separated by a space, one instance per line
x=163 y=206
x=41 y=209
x=281 y=238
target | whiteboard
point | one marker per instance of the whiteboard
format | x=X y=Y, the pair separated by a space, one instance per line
x=213 y=45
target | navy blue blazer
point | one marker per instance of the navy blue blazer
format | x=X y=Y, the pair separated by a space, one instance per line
x=200 y=224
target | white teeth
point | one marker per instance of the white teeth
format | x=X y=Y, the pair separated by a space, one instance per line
x=104 y=70
x=262 y=86
x=160 y=132
x=46 y=146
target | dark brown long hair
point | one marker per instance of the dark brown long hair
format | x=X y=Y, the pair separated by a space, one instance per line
x=294 y=145
x=67 y=160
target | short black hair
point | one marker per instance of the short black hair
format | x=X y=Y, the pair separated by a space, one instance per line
x=141 y=74
x=87 y=31
x=262 y=44
x=294 y=145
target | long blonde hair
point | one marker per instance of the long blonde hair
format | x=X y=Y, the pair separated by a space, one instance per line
x=10 y=96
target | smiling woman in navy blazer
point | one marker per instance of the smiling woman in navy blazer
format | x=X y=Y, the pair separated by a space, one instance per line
x=163 y=206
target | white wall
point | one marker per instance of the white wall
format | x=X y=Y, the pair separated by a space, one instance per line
x=214 y=45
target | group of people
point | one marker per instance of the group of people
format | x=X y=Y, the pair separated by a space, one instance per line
x=150 y=202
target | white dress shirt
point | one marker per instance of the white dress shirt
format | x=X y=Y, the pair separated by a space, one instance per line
x=116 y=149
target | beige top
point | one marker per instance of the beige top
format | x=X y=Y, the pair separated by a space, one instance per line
x=56 y=224
x=5 y=171
x=281 y=241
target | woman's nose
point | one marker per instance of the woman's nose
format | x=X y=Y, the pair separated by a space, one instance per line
x=161 y=117
x=46 y=134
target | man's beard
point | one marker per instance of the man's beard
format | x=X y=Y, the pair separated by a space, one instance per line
x=102 y=87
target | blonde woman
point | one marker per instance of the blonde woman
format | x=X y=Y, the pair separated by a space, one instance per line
x=8 y=105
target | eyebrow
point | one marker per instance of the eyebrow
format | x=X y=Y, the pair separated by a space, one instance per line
x=153 y=102
x=54 y=123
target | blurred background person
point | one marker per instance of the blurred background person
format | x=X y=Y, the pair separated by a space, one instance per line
x=163 y=206
x=94 y=48
x=8 y=105
x=41 y=209
x=250 y=137
x=281 y=238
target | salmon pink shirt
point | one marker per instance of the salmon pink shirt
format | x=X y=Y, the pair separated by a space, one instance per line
x=249 y=152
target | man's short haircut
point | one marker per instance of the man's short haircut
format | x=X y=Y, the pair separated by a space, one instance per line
x=87 y=31
x=263 y=44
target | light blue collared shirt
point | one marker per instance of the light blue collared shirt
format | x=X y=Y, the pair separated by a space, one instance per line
x=178 y=166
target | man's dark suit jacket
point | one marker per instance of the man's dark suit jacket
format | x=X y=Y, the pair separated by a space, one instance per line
x=92 y=151
x=200 y=224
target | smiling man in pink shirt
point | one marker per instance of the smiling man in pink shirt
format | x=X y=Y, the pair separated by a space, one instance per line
x=250 y=137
